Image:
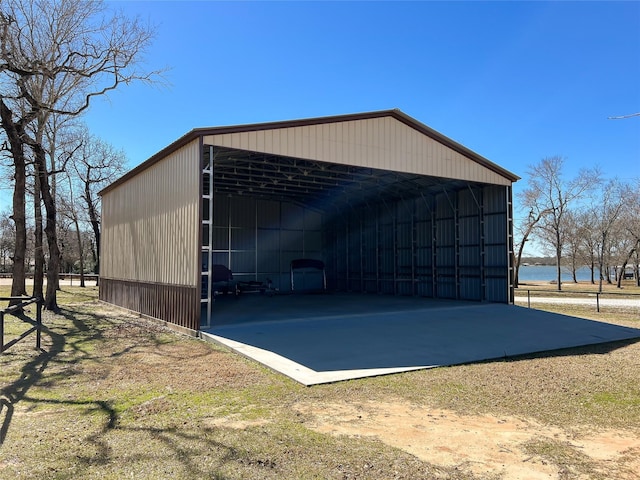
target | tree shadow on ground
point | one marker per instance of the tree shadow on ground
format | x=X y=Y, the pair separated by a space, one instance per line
x=30 y=374
x=76 y=336
x=594 y=349
x=71 y=339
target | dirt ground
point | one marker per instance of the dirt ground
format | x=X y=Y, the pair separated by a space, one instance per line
x=482 y=445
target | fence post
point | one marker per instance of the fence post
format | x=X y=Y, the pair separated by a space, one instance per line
x=598 y=301
x=38 y=322
x=1 y=332
x=528 y=298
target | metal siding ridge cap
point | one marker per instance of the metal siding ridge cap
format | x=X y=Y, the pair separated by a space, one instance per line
x=253 y=127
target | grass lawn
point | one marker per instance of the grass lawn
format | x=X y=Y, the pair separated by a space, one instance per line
x=113 y=396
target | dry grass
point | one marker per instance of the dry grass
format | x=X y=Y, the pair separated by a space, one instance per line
x=113 y=396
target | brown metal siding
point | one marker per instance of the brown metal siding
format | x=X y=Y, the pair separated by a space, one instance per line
x=383 y=142
x=175 y=304
x=151 y=223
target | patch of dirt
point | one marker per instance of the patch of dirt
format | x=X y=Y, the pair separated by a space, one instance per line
x=144 y=352
x=182 y=366
x=480 y=445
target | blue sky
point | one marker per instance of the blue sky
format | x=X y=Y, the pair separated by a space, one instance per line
x=513 y=81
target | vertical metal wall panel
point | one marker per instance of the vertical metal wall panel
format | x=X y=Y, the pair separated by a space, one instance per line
x=370 y=250
x=496 y=248
x=404 y=247
x=383 y=142
x=338 y=265
x=151 y=223
x=445 y=253
x=174 y=304
x=390 y=250
x=257 y=239
x=469 y=254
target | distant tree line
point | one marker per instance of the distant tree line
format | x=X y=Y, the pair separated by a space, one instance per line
x=56 y=56
x=585 y=221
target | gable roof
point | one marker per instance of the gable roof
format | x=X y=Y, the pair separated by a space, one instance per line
x=220 y=132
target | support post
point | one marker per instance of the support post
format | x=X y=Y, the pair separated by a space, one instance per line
x=38 y=322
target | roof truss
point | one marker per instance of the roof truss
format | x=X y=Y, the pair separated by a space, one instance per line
x=308 y=182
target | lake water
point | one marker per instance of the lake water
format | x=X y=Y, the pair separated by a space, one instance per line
x=548 y=273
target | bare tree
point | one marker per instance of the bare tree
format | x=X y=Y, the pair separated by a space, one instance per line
x=15 y=131
x=7 y=240
x=95 y=165
x=629 y=231
x=55 y=56
x=555 y=196
x=607 y=212
x=574 y=243
x=588 y=241
x=526 y=228
x=71 y=212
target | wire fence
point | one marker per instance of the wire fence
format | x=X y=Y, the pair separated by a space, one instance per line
x=576 y=297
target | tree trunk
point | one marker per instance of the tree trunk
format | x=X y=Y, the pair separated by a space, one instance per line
x=14 y=132
x=558 y=268
x=516 y=277
x=621 y=276
x=574 y=269
x=533 y=221
x=95 y=225
x=18 y=284
x=53 y=267
x=624 y=267
x=80 y=249
x=38 y=274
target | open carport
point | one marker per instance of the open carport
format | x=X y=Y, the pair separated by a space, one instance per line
x=413 y=233
x=355 y=336
x=385 y=204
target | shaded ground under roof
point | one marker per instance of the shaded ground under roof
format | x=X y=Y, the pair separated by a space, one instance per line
x=326 y=338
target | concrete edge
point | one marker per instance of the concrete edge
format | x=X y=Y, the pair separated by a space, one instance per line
x=298 y=372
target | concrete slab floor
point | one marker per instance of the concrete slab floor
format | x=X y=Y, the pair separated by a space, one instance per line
x=326 y=338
